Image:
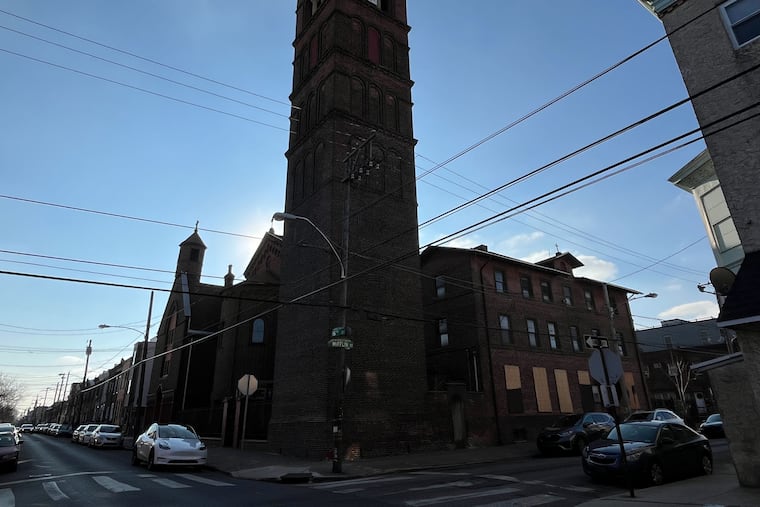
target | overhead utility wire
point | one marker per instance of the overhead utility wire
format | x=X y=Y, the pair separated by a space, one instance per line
x=501 y=216
x=157 y=76
x=134 y=55
x=535 y=111
x=554 y=222
x=126 y=217
x=145 y=90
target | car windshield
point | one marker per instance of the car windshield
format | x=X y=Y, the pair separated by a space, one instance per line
x=7 y=440
x=173 y=431
x=91 y=427
x=635 y=433
x=567 y=420
x=110 y=429
x=713 y=418
x=640 y=416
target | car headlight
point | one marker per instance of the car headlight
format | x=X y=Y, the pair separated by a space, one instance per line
x=635 y=455
x=163 y=444
x=202 y=446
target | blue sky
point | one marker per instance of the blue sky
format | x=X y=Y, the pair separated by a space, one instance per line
x=81 y=133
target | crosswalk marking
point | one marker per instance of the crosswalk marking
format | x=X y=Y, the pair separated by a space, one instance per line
x=170 y=483
x=577 y=489
x=204 y=480
x=6 y=498
x=464 y=496
x=457 y=484
x=507 y=478
x=113 y=485
x=352 y=482
x=526 y=501
x=53 y=491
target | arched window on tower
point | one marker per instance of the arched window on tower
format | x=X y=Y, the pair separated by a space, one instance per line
x=373 y=45
x=258 y=331
x=389 y=53
x=357 y=37
x=313 y=52
x=375 y=105
x=357 y=97
x=391 y=115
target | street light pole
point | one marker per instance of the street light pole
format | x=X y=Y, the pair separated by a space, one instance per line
x=342 y=262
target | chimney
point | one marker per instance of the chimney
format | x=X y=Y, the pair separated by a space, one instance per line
x=229 y=278
x=482 y=248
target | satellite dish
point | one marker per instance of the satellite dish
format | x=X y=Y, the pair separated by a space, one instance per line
x=722 y=279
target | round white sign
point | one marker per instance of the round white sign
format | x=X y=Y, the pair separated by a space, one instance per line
x=247 y=384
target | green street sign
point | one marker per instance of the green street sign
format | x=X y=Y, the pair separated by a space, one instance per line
x=338 y=331
x=341 y=343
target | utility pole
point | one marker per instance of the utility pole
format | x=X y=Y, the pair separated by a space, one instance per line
x=87 y=352
x=139 y=402
x=624 y=401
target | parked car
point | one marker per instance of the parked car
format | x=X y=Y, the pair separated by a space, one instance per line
x=571 y=433
x=658 y=414
x=40 y=428
x=51 y=428
x=10 y=448
x=86 y=434
x=169 y=444
x=27 y=428
x=64 y=430
x=6 y=427
x=75 y=433
x=655 y=452
x=106 y=435
x=712 y=427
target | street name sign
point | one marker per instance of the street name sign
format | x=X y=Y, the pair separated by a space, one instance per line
x=341 y=343
x=595 y=342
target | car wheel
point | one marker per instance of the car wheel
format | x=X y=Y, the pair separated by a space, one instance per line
x=579 y=444
x=707 y=465
x=656 y=474
x=152 y=461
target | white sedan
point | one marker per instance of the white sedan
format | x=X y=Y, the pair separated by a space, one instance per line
x=170 y=445
x=106 y=435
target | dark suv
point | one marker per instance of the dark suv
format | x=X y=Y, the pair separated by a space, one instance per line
x=571 y=433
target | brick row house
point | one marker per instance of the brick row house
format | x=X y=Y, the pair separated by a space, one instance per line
x=506 y=339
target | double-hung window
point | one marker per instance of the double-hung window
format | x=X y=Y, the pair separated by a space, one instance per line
x=443 y=332
x=551 y=328
x=499 y=283
x=526 y=287
x=742 y=20
x=532 y=332
x=505 y=330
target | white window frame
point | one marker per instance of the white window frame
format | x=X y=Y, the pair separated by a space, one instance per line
x=730 y=24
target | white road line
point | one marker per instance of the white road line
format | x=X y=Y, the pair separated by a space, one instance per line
x=203 y=480
x=170 y=483
x=347 y=491
x=429 y=472
x=577 y=489
x=353 y=482
x=526 y=501
x=6 y=498
x=54 y=492
x=500 y=478
x=465 y=496
x=113 y=485
x=457 y=484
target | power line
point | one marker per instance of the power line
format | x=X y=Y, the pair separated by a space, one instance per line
x=134 y=55
x=144 y=90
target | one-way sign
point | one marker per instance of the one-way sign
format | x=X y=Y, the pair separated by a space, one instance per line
x=594 y=342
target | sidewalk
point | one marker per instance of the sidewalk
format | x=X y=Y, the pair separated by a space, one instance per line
x=719 y=489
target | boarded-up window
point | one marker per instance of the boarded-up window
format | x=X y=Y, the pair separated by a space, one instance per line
x=541 y=383
x=633 y=395
x=373 y=45
x=563 y=392
x=514 y=389
x=587 y=392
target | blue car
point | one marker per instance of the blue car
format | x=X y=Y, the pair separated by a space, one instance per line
x=655 y=451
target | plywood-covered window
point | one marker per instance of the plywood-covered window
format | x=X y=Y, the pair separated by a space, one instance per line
x=563 y=392
x=541 y=383
x=513 y=385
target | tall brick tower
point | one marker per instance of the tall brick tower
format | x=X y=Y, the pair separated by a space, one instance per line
x=351 y=173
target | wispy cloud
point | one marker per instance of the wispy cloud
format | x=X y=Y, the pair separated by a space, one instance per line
x=697 y=310
x=519 y=242
x=596 y=268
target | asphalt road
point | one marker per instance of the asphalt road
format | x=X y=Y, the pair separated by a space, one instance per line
x=54 y=471
x=57 y=472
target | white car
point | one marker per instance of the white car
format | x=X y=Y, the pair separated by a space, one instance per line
x=86 y=434
x=106 y=435
x=170 y=445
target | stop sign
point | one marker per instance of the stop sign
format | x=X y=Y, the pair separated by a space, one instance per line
x=611 y=361
x=247 y=384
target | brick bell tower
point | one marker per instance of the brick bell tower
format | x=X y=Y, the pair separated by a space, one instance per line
x=351 y=173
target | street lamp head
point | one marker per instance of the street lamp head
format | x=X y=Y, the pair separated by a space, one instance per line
x=281 y=216
x=651 y=295
x=103 y=326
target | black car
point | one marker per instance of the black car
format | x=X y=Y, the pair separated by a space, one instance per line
x=712 y=427
x=655 y=451
x=571 y=433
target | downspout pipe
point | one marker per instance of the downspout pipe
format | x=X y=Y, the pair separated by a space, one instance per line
x=490 y=360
